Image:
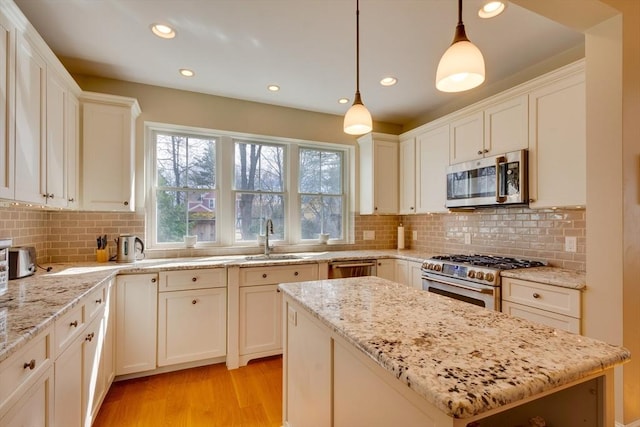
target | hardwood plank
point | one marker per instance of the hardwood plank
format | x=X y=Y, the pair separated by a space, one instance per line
x=250 y=396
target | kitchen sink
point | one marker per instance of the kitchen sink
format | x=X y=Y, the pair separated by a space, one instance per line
x=271 y=257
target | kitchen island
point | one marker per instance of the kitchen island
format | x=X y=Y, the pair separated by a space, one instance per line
x=367 y=351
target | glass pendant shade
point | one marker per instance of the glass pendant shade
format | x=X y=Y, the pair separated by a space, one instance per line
x=357 y=121
x=461 y=68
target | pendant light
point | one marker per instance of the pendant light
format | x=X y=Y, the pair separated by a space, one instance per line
x=357 y=121
x=462 y=65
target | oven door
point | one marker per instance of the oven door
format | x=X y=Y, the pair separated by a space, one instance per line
x=470 y=292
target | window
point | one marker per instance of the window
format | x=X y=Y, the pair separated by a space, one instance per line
x=321 y=195
x=185 y=187
x=223 y=186
x=259 y=189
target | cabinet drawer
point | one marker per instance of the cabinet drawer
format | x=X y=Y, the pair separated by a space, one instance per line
x=558 y=321
x=18 y=372
x=546 y=297
x=252 y=276
x=67 y=328
x=93 y=302
x=192 y=279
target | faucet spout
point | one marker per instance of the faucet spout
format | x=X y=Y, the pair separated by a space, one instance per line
x=268 y=229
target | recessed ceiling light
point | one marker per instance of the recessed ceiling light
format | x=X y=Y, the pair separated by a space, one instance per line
x=187 y=72
x=343 y=100
x=163 y=31
x=273 y=88
x=491 y=8
x=388 y=81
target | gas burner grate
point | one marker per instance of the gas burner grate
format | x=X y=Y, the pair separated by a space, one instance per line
x=492 y=261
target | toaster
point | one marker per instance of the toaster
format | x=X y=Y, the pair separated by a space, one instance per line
x=22 y=262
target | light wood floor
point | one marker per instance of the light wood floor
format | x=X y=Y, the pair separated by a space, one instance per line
x=207 y=396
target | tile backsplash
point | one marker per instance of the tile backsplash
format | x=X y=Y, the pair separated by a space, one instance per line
x=69 y=236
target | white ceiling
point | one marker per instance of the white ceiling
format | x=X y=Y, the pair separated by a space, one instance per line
x=307 y=47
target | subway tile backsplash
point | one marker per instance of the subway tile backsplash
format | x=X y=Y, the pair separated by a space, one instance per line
x=69 y=236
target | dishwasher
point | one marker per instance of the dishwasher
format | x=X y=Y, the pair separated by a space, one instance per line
x=352 y=268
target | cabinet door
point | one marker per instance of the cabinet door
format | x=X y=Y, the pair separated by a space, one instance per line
x=506 y=126
x=386 y=269
x=408 y=177
x=54 y=173
x=415 y=274
x=108 y=156
x=7 y=124
x=260 y=319
x=432 y=151
x=402 y=272
x=72 y=141
x=467 y=138
x=386 y=177
x=36 y=406
x=109 y=346
x=30 y=122
x=557 y=149
x=68 y=385
x=191 y=325
x=93 y=384
x=307 y=371
x=136 y=321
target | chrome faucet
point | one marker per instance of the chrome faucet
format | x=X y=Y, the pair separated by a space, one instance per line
x=268 y=229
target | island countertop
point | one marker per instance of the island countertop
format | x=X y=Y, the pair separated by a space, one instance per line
x=463 y=359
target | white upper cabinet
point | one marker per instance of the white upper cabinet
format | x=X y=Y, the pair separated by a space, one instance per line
x=378 y=174
x=557 y=149
x=30 y=116
x=7 y=138
x=496 y=128
x=108 y=144
x=467 y=138
x=72 y=144
x=52 y=177
x=432 y=153
x=407 y=176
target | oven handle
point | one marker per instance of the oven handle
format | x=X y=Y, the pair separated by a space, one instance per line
x=457 y=285
x=500 y=160
x=355 y=264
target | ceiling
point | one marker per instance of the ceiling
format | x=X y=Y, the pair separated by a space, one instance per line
x=307 y=47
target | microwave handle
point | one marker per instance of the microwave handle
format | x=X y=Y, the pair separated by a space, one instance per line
x=500 y=198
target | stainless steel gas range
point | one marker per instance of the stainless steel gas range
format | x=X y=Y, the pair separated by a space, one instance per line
x=471 y=278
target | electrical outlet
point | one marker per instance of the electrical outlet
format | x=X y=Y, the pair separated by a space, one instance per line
x=415 y=235
x=570 y=244
x=369 y=235
x=467 y=238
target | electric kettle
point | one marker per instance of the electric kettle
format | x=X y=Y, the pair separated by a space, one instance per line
x=128 y=246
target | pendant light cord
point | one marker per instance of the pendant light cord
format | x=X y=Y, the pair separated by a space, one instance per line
x=459 y=12
x=358 y=48
x=460 y=34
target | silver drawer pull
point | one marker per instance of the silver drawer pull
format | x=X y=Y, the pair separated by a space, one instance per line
x=536 y=295
x=31 y=365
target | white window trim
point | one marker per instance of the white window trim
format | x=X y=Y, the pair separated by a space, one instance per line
x=225 y=223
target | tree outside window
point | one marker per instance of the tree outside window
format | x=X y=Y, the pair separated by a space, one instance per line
x=321 y=195
x=185 y=187
x=259 y=189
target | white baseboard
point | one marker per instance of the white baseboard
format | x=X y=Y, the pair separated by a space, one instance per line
x=636 y=423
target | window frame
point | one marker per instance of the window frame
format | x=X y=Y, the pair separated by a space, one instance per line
x=225 y=191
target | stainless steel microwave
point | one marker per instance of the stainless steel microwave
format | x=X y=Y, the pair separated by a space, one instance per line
x=491 y=181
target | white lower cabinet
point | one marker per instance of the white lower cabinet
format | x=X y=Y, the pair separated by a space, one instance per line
x=26 y=384
x=255 y=318
x=69 y=385
x=260 y=325
x=136 y=323
x=408 y=273
x=550 y=305
x=192 y=325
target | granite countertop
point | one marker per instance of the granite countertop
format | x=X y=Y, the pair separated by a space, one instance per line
x=551 y=276
x=463 y=359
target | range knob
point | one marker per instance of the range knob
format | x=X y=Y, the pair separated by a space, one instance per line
x=437 y=267
x=430 y=266
x=479 y=275
x=489 y=277
x=471 y=274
